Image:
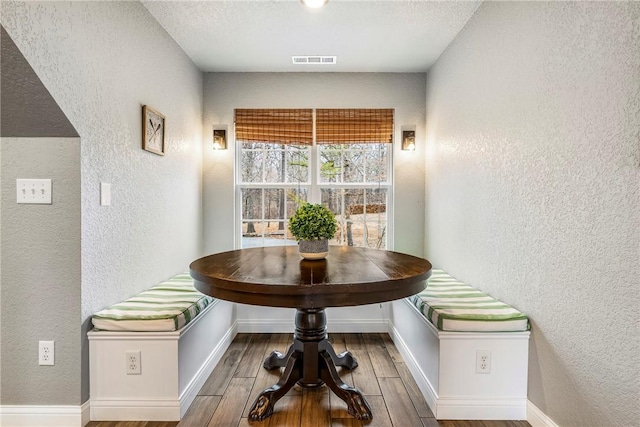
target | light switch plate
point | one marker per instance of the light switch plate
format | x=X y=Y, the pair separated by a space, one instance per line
x=33 y=191
x=105 y=194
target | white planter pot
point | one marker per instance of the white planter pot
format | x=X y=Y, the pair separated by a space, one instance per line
x=313 y=249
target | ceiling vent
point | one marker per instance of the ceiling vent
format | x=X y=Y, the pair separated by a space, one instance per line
x=314 y=60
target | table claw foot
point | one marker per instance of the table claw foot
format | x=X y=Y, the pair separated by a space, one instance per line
x=356 y=403
x=357 y=406
x=262 y=408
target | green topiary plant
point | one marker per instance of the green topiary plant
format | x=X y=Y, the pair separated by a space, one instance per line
x=312 y=222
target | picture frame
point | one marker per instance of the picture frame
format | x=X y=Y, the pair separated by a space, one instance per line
x=153 y=130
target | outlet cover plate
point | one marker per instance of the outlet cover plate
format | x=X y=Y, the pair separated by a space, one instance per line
x=133 y=362
x=483 y=362
x=46 y=353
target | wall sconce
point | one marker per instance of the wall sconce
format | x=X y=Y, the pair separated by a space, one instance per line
x=409 y=140
x=219 y=139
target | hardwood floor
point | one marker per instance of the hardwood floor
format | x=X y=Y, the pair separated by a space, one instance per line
x=381 y=376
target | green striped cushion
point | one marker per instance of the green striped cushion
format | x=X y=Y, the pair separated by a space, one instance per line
x=167 y=306
x=455 y=306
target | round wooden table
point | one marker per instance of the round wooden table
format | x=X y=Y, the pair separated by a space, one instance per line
x=278 y=277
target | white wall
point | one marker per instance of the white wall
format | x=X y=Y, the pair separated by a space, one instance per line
x=223 y=92
x=102 y=61
x=533 y=162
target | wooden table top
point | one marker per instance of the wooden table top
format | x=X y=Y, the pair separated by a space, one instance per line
x=278 y=277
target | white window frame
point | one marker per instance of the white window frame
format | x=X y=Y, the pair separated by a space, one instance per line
x=313 y=186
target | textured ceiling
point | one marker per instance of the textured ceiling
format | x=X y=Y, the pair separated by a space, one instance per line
x=261 y=36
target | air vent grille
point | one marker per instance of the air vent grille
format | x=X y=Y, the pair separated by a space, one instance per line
x=314 y=59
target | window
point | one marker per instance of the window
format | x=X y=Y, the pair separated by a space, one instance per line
x=346 y=167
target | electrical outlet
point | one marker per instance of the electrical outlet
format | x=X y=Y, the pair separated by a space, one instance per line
x=483 y=362
x=33 y=191
x=46 y=353
x=133 y=362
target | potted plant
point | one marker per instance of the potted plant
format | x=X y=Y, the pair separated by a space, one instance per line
x=313 y=225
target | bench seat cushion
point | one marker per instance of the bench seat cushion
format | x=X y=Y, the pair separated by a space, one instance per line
x=451 y=305
x=167 y=306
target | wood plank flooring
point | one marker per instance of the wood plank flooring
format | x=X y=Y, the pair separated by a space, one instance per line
x=382 y=376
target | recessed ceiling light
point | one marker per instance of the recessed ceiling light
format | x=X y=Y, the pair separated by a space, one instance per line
x=314 y=3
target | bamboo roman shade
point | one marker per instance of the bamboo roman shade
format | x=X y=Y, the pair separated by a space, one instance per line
x=354 y=126
x=277 y=126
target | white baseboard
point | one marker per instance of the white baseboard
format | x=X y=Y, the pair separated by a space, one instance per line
x=368 y=326
x=85 y=410
x=272 y=326
x=264 y=326
x=135 y=410
x=537 y=418
x=43 y=416
x=480 y=408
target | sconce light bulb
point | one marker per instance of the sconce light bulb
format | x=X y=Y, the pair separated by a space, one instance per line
x=216 y=146
x=409 y=140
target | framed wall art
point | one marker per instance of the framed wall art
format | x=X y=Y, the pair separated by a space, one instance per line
x=153 y=127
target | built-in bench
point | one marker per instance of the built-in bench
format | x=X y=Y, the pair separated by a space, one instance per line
x=150 y=355
x=443 y=334
x=467 y=351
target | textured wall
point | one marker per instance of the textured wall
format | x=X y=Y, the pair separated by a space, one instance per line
x=40 y=272
x=225 y=91
x=28 y=110
x=533 y=163
x=101 y=61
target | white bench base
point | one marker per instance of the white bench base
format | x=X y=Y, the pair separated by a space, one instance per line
x=174 y=367
x=444 y=367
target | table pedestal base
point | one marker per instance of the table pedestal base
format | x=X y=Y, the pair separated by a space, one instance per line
x=310 y=361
